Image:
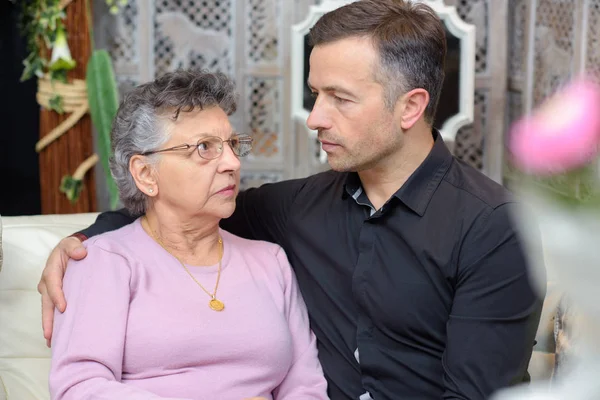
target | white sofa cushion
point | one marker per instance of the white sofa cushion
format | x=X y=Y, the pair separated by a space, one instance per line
x=2 y=388
x=24 y=357
x=0 y=243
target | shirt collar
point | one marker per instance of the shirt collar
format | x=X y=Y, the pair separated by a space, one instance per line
x=417 y=191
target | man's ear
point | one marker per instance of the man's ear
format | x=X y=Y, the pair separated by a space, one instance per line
x=144 y=175
x=412 y=107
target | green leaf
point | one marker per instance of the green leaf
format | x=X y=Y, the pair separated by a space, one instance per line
x=58 y=75
x=578 y=188
x=71 y=188
x=34 y=66
x=56 y=103
x=103 y=98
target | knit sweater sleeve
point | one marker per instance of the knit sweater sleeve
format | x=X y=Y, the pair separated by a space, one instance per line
x=305 y=378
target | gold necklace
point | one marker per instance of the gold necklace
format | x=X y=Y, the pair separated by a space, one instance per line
x=214 y=303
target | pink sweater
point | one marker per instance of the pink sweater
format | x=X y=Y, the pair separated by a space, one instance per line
x=138 y=327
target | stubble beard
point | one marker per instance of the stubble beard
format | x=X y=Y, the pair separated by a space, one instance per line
x=356 y=162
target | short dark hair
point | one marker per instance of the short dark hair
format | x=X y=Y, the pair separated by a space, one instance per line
x=410 y=38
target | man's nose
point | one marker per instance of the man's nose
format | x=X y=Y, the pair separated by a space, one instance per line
x=318 y=119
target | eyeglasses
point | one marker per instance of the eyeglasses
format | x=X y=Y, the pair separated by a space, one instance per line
x=211 y=147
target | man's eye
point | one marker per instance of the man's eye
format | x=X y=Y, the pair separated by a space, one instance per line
x=340 y=100
x=314 y=94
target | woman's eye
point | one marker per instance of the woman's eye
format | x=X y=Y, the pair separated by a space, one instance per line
x=203 y=146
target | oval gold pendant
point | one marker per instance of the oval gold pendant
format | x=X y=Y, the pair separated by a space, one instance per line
x=216 y=305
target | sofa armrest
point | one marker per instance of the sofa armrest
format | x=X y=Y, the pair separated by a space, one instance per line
x=26 y=244
x=542 y=361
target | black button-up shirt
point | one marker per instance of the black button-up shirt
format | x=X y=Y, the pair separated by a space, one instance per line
x=430 y=293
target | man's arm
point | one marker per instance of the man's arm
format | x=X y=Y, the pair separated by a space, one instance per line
x=304 y=379
x=109 y=221
x=495 y=313
x=263 y=213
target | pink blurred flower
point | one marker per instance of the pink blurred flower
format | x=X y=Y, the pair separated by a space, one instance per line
x=563 y=134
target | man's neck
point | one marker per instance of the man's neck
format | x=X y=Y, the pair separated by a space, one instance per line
x=384 y=179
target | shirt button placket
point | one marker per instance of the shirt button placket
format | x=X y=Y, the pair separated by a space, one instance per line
x=363 y=265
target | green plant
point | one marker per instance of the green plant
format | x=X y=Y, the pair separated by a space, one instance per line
x=42 y=24
x=103 y=101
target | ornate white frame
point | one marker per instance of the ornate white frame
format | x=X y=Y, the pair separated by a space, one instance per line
x=463 y=31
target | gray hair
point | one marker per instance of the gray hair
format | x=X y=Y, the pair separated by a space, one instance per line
x=140 y=123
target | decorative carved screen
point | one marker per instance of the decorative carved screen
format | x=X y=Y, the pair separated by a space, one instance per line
x=593 y=39
x=240 y=38
x=469 y=141
x=551 y=42
x=481 y=144
x=193 y=34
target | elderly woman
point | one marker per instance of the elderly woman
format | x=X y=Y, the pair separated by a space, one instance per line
x=171 y=306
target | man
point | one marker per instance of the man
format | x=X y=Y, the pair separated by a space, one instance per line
x=412 y=272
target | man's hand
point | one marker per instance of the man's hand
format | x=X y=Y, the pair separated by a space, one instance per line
x=50 y=286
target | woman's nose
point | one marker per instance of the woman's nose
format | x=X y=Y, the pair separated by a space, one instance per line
x=229 y=161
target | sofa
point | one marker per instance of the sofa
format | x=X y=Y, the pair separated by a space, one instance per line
x=26 y=241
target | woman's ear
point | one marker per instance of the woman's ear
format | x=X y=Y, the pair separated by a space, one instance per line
x=144 y=175
x=412 y=107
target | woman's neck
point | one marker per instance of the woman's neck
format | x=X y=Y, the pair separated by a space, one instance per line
x=192 y=241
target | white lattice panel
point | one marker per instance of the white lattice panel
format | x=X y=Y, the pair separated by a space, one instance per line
x=122 y=44
x=517 y=37
x=515 y=106
x=263 y=117
x=126 y=83
x=263 y=28
x=301 y=8
x=194 y=34
x=469 y=140
x=554 y=36
x=119 y=36
x=476 y=12
x=593 y=39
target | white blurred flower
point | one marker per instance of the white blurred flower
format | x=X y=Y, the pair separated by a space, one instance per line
x=61 y=54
